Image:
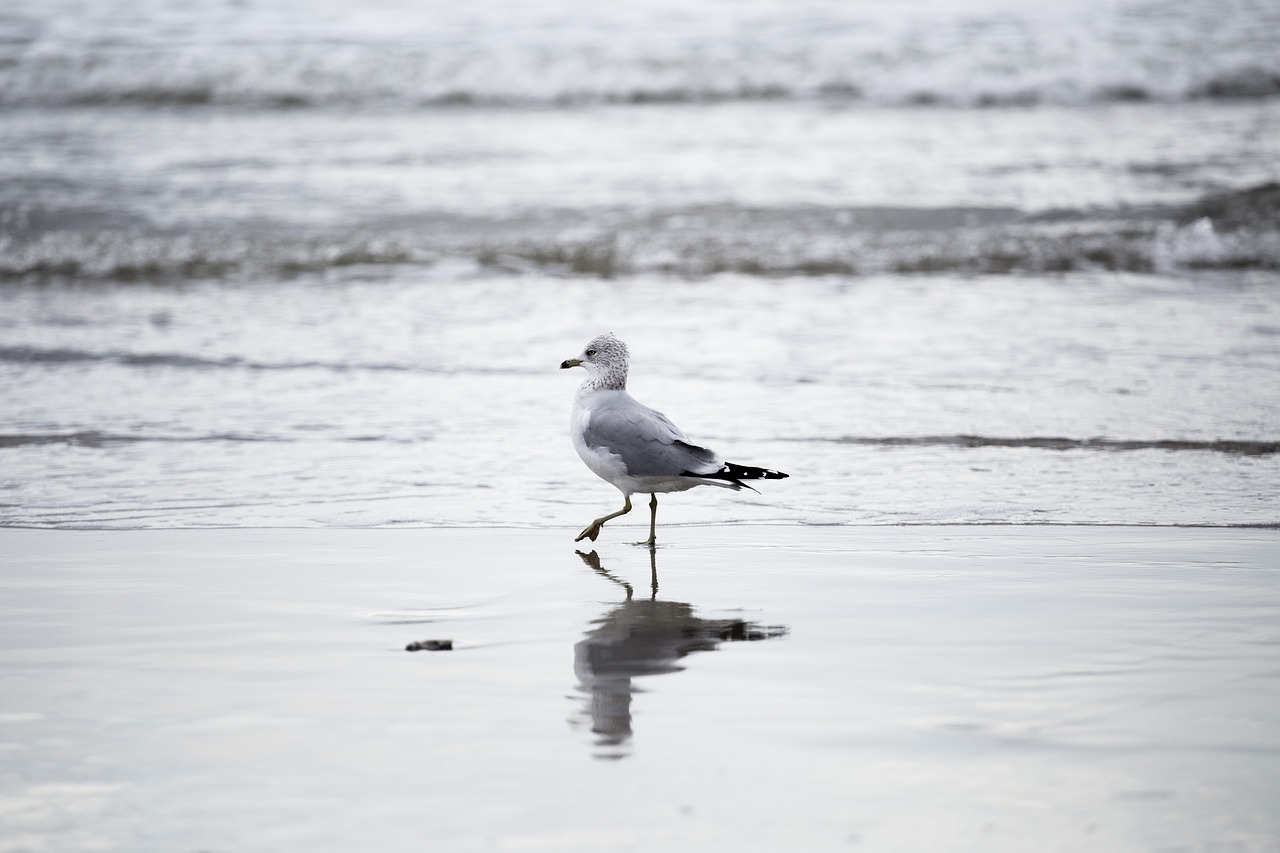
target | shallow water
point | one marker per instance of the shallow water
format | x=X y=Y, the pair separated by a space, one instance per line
x=376 y=399
x=974 y=263
x=892 y=688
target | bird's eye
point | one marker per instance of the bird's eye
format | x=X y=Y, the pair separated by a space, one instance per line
x=590 y=353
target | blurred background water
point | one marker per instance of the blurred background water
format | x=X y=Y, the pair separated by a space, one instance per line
x=272 y=263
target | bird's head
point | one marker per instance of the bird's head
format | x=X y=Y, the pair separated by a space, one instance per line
x=603 y=356
x=600 y=354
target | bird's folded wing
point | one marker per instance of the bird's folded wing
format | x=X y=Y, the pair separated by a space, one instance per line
x=648 y=443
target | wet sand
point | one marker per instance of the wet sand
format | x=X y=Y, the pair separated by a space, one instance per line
x=871 y=688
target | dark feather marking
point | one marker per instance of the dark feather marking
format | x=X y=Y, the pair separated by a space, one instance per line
x=734 y=472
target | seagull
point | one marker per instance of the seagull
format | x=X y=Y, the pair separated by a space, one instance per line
x=634 y=447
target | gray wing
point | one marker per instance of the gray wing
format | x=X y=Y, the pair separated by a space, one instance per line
x=648 y=442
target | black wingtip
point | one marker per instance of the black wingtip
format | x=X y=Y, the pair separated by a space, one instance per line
x=733 y=471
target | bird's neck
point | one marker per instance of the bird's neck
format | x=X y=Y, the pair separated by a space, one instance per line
x=613 y=379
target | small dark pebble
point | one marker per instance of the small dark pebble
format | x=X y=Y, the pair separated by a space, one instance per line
x=430 y=646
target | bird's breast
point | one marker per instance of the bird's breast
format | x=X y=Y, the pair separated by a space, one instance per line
x=604 y=464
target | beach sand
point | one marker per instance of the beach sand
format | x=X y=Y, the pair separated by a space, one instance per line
x=874 y=688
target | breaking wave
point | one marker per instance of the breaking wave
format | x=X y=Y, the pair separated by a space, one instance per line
x=407 y=78
x=278 y=54
x=1238 y=230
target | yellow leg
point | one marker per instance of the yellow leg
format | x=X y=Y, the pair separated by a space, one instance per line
x=593 y=529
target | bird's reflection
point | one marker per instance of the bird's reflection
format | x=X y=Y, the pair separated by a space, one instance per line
x=642 y=637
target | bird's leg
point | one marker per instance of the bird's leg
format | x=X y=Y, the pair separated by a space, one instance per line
x=593 y=529
x=653 y=522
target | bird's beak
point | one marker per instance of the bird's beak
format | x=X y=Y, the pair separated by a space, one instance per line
x=570 y=362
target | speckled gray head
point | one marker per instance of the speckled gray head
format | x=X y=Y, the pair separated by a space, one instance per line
x=605 y=358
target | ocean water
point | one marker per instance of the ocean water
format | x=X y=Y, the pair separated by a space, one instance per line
x=273 y=263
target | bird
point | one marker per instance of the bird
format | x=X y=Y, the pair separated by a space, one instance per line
x=635 y=448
